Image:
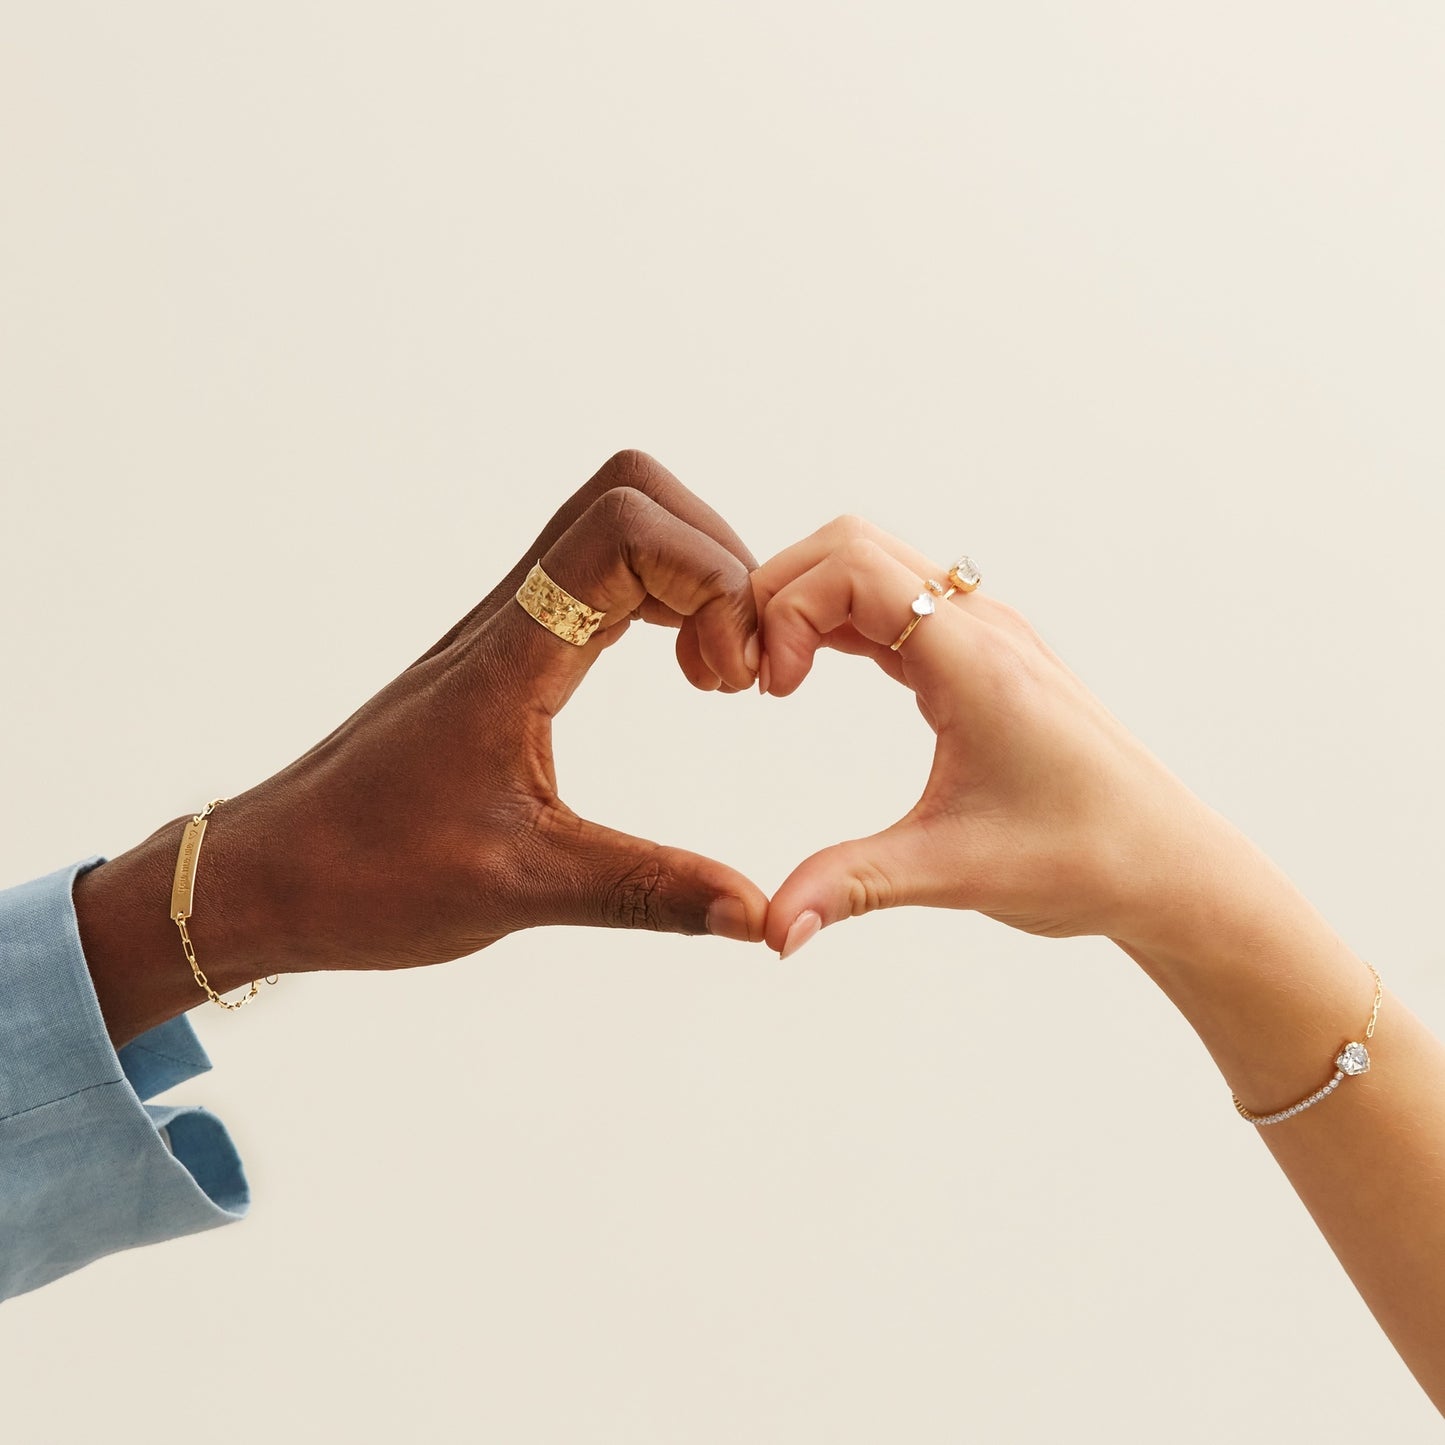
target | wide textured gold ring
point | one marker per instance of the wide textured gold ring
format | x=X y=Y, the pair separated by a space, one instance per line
x=557 y=609
x=963 y=576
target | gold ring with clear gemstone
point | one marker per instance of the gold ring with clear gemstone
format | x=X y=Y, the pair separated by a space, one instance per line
x=963 y=576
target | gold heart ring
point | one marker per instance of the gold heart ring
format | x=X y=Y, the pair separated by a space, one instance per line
x=963 y=576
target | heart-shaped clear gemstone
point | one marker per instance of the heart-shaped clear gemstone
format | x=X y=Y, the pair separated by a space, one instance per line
x=924 y=605
x=1354 y=1059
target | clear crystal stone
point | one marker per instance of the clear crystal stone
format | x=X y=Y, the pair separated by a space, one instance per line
x=966 y=570
x=924 y=605
x=1354 y=1060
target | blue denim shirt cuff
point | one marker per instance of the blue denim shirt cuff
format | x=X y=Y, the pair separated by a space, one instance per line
x=84 y=1168
x=166 y=1056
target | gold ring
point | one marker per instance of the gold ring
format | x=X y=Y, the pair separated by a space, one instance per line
x=924 y=605
x=964 y=575
x=557 y=609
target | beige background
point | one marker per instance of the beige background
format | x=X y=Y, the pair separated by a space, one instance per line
x=311 y=313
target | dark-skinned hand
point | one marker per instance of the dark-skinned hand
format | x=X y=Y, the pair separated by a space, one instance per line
x=428 y=825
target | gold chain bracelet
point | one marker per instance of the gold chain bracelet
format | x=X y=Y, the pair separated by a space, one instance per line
x=1352 y=1060
x=183 y=890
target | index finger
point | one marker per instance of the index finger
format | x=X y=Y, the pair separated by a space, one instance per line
x=864 y=587
x=629 y=468
x=790 y=564
x=625 y=549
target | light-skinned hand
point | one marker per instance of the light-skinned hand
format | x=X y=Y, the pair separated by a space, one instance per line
x=1041 y=809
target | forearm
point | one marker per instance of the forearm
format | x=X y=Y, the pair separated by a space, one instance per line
x=1273 y=994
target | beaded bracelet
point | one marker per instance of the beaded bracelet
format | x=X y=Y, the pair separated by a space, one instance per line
x=1353 y=1059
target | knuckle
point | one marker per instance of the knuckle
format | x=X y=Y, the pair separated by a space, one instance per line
x=633 y=468
x=627 y=468
x=868 y=891
x=715 y=580
x=860 y=554
x=1011 y=618
x=635 y=900
x=621 y=509
x=849 y=526
x=782 y=614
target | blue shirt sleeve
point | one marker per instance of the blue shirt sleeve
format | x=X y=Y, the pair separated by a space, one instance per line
x=85 y=1169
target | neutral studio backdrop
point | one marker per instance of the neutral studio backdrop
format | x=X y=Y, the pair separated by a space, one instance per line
x=309 y=316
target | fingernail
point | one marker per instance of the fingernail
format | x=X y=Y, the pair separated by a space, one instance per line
x=728 y=918
x=804 y=930
x=765 y=676
x=752 y=653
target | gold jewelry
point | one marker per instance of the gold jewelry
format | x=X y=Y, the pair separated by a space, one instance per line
x=183 y=888
x=1353 y=1059
x=964 y=575
x=924 y=605
x=557 y=610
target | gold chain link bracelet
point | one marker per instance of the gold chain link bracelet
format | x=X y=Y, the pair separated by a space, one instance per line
x=183 y=890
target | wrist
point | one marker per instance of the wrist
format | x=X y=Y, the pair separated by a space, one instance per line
x=1209 y=895
x=132 y=946
x=1270 y=988
x=232 y=919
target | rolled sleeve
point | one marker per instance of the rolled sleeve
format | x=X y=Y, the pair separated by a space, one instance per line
x=85 y=1169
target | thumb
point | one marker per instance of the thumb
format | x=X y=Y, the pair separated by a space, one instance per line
x=596 y=876
x=892 y=869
